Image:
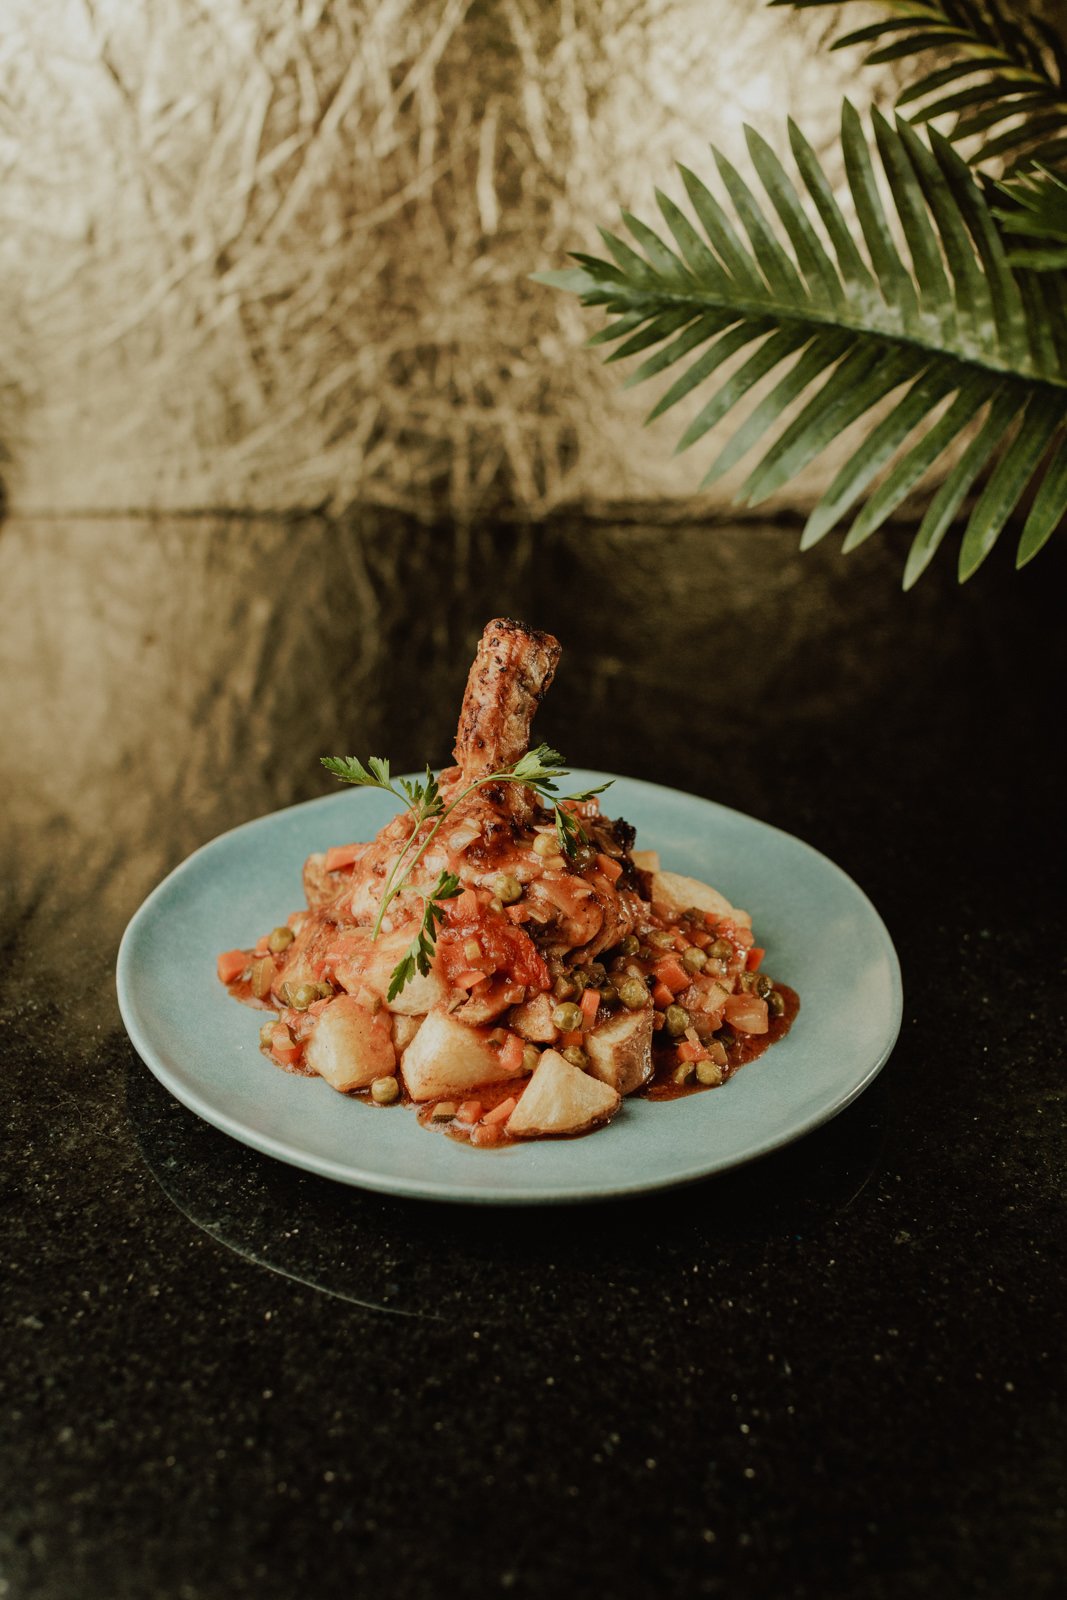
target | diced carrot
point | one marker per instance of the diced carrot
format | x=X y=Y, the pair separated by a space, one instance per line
x=611 y=869
x=500 y=1113
x=465 y=907
x=486 y=1134
x=341 y=855
x=568 y=1039
x=512 y=1052
x=700 y=937
x=711 y=919
x=589 y=1002
x=231 y=964
x=662 y=996
x=753 y=959
x=517 y=913
x=468 y=980
x=283 y=1047
x=673 y=974
x=691 y=1052
x=470 y=1111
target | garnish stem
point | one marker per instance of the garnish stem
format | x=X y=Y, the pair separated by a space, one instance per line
x=391 y=889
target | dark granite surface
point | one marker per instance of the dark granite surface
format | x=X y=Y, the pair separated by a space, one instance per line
x=837 y=1373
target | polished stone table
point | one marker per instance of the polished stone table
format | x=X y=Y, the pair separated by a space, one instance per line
x=836 y=1373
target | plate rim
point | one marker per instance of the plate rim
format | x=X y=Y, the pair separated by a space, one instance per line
x=432 y=1190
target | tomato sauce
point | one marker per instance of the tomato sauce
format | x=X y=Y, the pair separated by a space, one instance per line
x=505 y=948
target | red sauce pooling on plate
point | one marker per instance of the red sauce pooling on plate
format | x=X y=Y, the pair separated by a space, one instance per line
x=740 y=1047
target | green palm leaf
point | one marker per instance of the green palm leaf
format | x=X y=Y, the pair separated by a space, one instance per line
x=1007 y=89
x=930 y=317
x=1033 y=210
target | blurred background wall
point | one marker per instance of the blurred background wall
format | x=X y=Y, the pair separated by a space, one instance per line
x=274 y=254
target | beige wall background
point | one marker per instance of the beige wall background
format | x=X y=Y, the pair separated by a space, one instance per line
x=271 y=254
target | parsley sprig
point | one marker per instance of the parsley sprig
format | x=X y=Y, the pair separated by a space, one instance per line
x=419 y=954
x=537 y=770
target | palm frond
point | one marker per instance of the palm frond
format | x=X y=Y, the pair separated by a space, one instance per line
x=1034 y=211
x=1006 y=89
x=930 y=312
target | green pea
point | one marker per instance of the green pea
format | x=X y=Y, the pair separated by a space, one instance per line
x=660 y=939
x=709 y=1073
x=722 y=950
x=683 y=1072
x=567 y=1017
x=576 y=1056
x=633 y=993
x=694 y=960
x=630 y=945
x=383 y=1091
x=677 y=1019
x=776 y=1003
x=507 y=888
x=280 y=939
x=303 y=995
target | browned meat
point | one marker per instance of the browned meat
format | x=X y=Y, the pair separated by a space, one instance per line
x=508 y=680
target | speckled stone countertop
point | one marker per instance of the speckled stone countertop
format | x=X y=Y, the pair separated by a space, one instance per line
x=837 y=1373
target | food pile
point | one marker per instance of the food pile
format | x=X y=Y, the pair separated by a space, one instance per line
x=500 y=955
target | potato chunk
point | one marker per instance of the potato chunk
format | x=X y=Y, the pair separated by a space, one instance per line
x=676 y=891
x=447 y=1057
x=620 y=1051
x=560 y=1098
x=404 y=1030
x=533 y=1020
x=645 y=860
x=351 y=1045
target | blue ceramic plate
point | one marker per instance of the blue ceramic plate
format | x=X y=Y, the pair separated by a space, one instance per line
x=822 y=935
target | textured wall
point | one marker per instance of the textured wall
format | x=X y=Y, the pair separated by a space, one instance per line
x=274 y=253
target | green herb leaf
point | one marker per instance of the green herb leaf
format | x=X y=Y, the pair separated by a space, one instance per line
x=419 y=954
x=351 y=770
x=569 y=832
x=423 y=798
x=402 y=974
x=537 y=768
